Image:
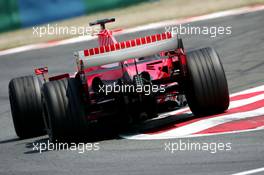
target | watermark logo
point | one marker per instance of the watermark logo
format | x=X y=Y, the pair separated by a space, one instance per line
x=212 y=147
x=64 y=30
x=130 y=88
x=79 y=147
x=212 y=31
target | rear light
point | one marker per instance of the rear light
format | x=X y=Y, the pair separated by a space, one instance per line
x=40 y=71
x=44 y=72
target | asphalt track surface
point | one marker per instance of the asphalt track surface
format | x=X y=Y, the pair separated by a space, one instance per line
x=242 y=55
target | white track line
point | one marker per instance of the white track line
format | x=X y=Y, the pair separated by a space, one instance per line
x=137 y=29
x=254 y=171
x=46 y=45
x=214 y=15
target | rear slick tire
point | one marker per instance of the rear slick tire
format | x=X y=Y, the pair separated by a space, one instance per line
x=64 y=110
x=26 y=107
x=206 y=85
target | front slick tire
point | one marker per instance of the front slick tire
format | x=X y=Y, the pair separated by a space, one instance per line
x=64 y=110
x=207 y=89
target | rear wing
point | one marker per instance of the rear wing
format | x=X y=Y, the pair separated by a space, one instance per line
x=123 y=51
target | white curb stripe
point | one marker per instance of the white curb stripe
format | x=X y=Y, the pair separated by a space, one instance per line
x=223 y=133
x=198 y=126
x=195 y=127
x=247 y=91
x=239 y=103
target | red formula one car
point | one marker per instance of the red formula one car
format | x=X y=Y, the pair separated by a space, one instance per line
x=126 y=81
